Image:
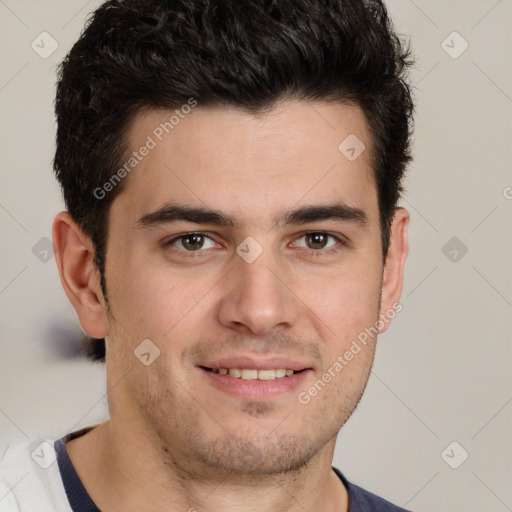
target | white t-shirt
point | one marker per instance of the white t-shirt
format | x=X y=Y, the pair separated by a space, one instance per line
x=30 y=479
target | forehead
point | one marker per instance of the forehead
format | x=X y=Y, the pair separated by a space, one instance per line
x=250 y=164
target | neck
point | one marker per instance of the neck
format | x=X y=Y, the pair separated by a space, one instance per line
x=123 y=469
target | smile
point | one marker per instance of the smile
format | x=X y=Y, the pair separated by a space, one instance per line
x=255 y=383
x=254 y=374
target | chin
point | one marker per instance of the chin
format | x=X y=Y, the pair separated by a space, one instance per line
x=252 y=456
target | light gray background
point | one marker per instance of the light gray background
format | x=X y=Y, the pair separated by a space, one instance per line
x=443 y=370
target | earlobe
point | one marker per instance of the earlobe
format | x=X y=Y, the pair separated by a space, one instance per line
x=393 y=275
x=80 y=279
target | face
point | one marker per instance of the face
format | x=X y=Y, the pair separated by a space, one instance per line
x=244 y=246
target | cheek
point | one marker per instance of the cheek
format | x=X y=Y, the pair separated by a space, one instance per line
x=344 y=301
x=155 y=302
x=141 y=298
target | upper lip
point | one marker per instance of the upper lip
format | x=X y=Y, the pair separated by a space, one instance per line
x=256 y=363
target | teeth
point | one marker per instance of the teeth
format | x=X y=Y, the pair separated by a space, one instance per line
x=266 y=374
x=251 y=374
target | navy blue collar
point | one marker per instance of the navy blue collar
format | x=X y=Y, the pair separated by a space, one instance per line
x=78 y=498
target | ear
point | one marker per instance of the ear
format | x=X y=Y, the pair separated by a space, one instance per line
x=80 y=279
x=393 y=277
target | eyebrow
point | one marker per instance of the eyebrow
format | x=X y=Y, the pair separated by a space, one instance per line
x=169 y=213
x=172 y=212
x=338 y=211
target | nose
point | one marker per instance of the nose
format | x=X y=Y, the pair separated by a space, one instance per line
x=258 y=299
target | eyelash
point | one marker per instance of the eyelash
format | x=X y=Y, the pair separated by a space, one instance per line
x=340 y=243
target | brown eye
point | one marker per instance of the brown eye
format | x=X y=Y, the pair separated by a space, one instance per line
x=193 y=242
x=317 y=240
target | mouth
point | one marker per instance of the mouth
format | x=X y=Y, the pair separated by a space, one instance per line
x=255 y=380
x=254 y=374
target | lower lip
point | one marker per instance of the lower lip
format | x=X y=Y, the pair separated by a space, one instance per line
x=256 y=389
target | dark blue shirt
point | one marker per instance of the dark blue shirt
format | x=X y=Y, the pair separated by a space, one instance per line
x=359 y=499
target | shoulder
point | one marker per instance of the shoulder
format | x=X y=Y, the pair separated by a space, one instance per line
x=364 y=501
x=30 y=478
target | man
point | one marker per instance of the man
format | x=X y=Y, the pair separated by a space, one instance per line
x=231 y=172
